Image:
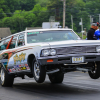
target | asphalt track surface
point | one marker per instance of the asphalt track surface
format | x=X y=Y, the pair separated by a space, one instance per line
x=76 y=86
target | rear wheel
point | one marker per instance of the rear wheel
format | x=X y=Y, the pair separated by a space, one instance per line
x=6 y=79
x=39 y=72
x=56 y=77
x=95 y=73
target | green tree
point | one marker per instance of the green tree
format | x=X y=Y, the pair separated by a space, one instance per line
x=41 y=15
x=22 y=19
x=2 y=14
x=27 y=5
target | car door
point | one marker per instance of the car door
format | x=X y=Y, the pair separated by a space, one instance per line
x=18 y=60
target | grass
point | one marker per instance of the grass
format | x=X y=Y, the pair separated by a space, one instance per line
x=80 y=35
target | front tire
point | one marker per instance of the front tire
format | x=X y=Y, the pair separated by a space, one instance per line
x=56 y=77
x=6 y=79
x=39 y=72
x=95 y=73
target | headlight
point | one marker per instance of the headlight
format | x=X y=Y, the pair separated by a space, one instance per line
x=53 y=52
x=45 y=52
x=98 y=49
x=48 y=52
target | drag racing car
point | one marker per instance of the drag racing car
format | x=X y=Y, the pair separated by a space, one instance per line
x=54 y=52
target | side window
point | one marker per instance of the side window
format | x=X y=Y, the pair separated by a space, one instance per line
x=13 y=42
x=21 y=40
x=2 y=47
x=5 y=43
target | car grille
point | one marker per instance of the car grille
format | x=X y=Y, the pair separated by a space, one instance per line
x=76 y=50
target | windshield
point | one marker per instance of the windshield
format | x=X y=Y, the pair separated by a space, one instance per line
x=50 y=36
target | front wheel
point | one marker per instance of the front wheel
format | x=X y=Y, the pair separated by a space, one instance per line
x=39 y=72
x=95 y=73
x=56 y=77
x=6 y=79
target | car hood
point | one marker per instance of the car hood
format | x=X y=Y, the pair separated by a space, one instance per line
x=42 y=45
x=69 y=43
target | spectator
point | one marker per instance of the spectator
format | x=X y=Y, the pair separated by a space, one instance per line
x=90 y=34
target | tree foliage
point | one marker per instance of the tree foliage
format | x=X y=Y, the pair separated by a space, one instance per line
x=19 y=14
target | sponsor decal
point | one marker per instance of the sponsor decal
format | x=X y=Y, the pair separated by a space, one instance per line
x=18 y=68
x=20 y=65
x=28 y=68
x=9 y=70
x=13 y=69
x=32 y=33
x=24 y=68
x=26 y=65
x=19 y=58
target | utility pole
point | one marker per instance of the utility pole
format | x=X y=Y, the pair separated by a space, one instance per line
x=64 y=6
x=82 y=27
x=90 y=20
x=72 y=21
x=99 y=18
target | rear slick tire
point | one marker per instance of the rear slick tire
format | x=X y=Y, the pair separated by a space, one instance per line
x=56 y=77
x=6 y=79
x=95 y=73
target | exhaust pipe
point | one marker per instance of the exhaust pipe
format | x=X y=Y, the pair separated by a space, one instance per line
x=53 y=71
x=82 y=69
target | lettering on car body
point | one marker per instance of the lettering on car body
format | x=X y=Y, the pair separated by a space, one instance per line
x=20 y=58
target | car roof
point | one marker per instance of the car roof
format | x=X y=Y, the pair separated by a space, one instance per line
x=52 y=29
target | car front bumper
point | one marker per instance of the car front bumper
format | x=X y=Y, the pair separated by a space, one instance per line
x=67 y=59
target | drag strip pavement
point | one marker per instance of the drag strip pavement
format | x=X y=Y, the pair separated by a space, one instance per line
x=76 y=86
